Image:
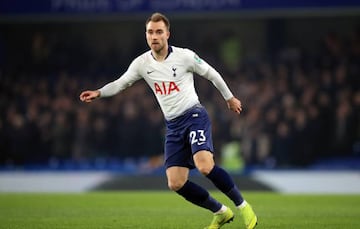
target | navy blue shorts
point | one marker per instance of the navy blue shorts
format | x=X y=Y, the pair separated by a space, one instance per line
x=186 y=135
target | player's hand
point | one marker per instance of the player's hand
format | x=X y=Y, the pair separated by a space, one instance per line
x=234 y=104
x=89 y=96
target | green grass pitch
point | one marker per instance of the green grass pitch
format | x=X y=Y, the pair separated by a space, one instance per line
x=164 y=209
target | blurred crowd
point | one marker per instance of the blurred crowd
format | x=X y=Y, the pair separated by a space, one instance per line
x=297 y=107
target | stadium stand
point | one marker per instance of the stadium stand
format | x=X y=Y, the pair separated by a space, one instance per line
x=301 y=107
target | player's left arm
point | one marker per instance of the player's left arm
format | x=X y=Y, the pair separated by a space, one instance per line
x=233 y=103
x=208 y=72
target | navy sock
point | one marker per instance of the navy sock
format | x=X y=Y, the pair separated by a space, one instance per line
x=199 y=196
x=222 y=180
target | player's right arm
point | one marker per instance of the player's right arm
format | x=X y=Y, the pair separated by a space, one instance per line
x=114 y=87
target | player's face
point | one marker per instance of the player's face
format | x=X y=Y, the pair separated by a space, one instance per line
x=157 y=36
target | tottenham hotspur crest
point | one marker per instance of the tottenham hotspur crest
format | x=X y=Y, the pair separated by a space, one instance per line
x=174 y=71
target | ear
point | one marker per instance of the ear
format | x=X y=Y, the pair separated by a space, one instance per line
x=167 y=34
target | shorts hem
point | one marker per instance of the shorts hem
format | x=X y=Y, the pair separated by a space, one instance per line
x=178 y=165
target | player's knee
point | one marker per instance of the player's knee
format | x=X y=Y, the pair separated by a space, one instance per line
x=175 y=185
x=205 y=169
x=204 y=161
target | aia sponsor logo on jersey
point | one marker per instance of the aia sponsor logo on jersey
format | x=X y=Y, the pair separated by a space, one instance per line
x=165 y=88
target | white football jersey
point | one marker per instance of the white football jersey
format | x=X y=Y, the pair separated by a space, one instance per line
x=171 y=80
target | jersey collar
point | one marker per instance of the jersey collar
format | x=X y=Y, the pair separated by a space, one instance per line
x=170 y=50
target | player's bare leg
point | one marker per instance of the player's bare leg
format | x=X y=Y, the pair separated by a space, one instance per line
x=176 y=177
x=178 y=182
x=204 y=161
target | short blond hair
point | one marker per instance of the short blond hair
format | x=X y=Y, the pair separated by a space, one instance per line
x=156 y=17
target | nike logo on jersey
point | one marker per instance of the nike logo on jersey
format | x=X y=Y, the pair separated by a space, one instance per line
x=149 y=72
x=200 y=143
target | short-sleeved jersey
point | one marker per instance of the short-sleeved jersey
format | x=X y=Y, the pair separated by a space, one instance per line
x=171 y=80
